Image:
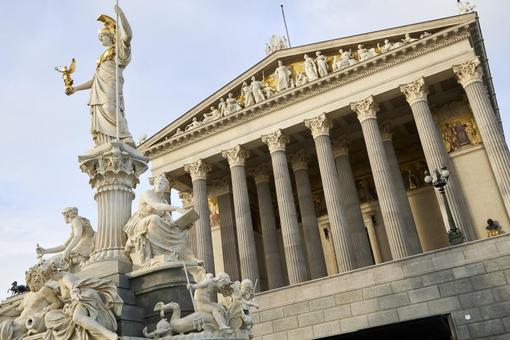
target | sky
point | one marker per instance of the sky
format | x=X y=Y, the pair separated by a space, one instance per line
x=183 y=51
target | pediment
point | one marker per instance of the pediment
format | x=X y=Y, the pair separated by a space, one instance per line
x=282 y=74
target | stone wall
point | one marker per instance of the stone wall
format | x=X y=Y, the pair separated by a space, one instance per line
x=470 y=282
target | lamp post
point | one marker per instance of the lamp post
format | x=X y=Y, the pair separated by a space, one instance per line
x=439 y=181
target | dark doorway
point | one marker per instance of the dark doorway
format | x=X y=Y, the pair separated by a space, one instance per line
x=431 y=328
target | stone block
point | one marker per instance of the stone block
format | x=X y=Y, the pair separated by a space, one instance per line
x=349 y=297
x=414 y=311
x=468 y=270
x=495 y=310
x=480 y=250
x=462 y=333
x=406 y=284
x=276 y=336
x=395 y=300
x=479 y=298
x=437 y=277
x=448 y=259
x=255 y=317
x=263 y=328
x=424 y=294
x=497 y=264
x=503 y=245
x=271 y=314
x=444 y=305
x=506 y=322
x=417 y=266
x=311 y=318
x=389 y=272
x=301 y=333
x=365 y=307
x=466 y=316
x=486 y=328
x=285 y=324
x=326 y=329
x=382 y=318
x=494 y=279
x=376 y=291
x=296 y=308
x=322 y=303
x=353 y=324
x=455 y=287
x=338 y=312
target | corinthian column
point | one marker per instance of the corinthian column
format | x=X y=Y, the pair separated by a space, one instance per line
x=436 y=156
x=350 y=199
x=292 y=241
x=401 y=191
x=470 y=76
x=337 y=214
x=236 y=157
x=391 y=207
x=268 y=225
x=198 y=172
x=187 y=202
x=114 y=169
x=221 y=190
x=312 y=237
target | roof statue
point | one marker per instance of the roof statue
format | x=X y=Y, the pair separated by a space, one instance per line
x=465 y=7
x=276 y=43
x=107 y=120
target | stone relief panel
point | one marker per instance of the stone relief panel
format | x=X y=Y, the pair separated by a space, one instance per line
x=456 y=125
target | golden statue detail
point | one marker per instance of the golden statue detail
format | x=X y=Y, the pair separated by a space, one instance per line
x=66 y=75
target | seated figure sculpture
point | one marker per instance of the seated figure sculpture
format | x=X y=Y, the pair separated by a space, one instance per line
x=78 y=247
x=151 y=231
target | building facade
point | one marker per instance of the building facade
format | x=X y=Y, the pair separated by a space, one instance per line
x=308 y=173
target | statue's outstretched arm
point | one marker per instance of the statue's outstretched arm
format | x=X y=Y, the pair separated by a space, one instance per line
x=84 y=86
x=58 y=249
x=125 y=29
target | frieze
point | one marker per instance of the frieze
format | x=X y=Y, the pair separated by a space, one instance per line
x=333 y=80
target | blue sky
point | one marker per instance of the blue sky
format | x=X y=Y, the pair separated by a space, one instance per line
x=182 y=52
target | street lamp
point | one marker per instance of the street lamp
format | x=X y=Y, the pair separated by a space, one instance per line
x=439 y=181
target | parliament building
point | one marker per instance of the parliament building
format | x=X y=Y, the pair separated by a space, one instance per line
x=362 y=182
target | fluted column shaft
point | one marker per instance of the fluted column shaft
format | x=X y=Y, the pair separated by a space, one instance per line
x=470 y=76
x=292 y=240
x=236 y=157
x=312 y=238
x=269 y=237
x=354 y=219
x=394 y=218
x=228 y=236
x=412 y=233
x=198 y=172
x=369 y=223
x=337 y=214
x=436 y=155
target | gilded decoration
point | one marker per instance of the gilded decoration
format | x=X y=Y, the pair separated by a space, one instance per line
x=214 y=211
x=456 y=125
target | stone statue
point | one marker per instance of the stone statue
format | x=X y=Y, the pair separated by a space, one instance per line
x=42 y=298
x=465 y=7
x=276 y=43
x=346 y=60
x=425 y=34
x=240 y=303
x=246 y=92
x=17 y=289
x=151 y=230
x=194 y=124
x=103 y=102
x=407 y=39
x=364 y=54
x=178 y=132
x=301 y=79
x=213 y=115
x=78 y=247
x=310 y=68
x=322 y=64
x=256 y=88
x=89 y=311
x=222 y=106
x=386 y=47
x=232 y=105
x=268 y=91
x=282 y=75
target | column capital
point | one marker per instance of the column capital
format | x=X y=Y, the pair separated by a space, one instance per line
x=186 y=198
x=365 y=109
x=275 y=141
x=261 y=173
x=197 y=170
x=219 y=187
x=236 y=156
x=468 y=72
x=386 y=131
x=319 y=125
x=340 y=146
x=415 y=91
x=299 y=160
